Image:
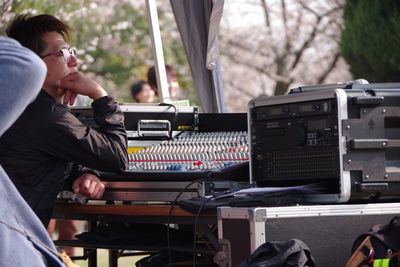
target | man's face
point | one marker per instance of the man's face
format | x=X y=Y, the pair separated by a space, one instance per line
x=57 y=66
x=173 y=87
x=146 y=95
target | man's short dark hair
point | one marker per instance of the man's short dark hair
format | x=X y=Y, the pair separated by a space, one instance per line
x=152 y=79
x=136 y=88
x=29 y=30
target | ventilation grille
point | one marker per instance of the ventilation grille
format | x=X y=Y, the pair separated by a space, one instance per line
x=302 y=164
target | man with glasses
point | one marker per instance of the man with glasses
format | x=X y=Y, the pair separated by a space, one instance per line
x=48 y=146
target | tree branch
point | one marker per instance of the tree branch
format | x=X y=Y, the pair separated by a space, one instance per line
x=262 y=70
x=267 y=22
x=331 y=66
x=304 y=6
x=266 y=13
x=285 y=26
x=242 y=46
x=329 y=12
x=241 y=89
x=305 y=45
x=295 y=33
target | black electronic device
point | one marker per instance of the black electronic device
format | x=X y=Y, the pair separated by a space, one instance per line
x=346 y=140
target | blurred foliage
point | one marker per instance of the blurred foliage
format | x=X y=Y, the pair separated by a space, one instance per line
x=370 y=42
x=112 y=39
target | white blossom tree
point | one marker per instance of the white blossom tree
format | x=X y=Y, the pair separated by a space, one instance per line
x=270 y=46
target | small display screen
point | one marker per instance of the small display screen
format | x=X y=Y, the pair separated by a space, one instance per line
x=317 y=124
x=275 y=111
x=306 y=108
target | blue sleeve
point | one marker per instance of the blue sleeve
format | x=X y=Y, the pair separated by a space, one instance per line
x=22 y=74
x=24 y=240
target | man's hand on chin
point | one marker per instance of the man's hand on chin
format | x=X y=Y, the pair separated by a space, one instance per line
x=78 y=83
x=68 y=96
x=89 y=185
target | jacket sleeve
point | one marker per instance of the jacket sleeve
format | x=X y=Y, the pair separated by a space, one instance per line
x=103 y=148
x=21 y=77
x=76 y=172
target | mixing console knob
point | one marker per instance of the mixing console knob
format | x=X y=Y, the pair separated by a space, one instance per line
x=227 y=164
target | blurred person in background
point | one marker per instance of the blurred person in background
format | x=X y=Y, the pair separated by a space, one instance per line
x=173 y=85
x=66 y=229
x=142 y=92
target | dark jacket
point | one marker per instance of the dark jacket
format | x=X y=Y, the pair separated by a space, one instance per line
x=38 y=150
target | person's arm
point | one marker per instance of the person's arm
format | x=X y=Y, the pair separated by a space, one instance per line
x=85 y=181
x=89 y=185
x=24 y=240
x=22 y=74
x=77 y=83
x=104 y=148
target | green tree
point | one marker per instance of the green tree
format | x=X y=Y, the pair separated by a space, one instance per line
x=370 y=42
x=112 y=39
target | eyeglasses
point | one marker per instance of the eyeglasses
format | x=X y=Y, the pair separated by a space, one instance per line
x=67 y=53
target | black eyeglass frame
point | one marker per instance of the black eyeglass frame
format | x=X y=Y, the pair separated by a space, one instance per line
x=69 y=50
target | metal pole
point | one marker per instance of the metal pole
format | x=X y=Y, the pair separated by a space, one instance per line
x=159 y=63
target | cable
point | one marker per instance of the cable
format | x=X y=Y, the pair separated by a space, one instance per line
x=195 y=229
x=191 y=127
x=198 y=215
x=175 y=115
x=172 y=207
x=172 y=106
x=175 y=118
x=169 y=218
x=181 y=132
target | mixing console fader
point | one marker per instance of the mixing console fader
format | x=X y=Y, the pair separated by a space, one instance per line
x=193 y=151
x=170 y=148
